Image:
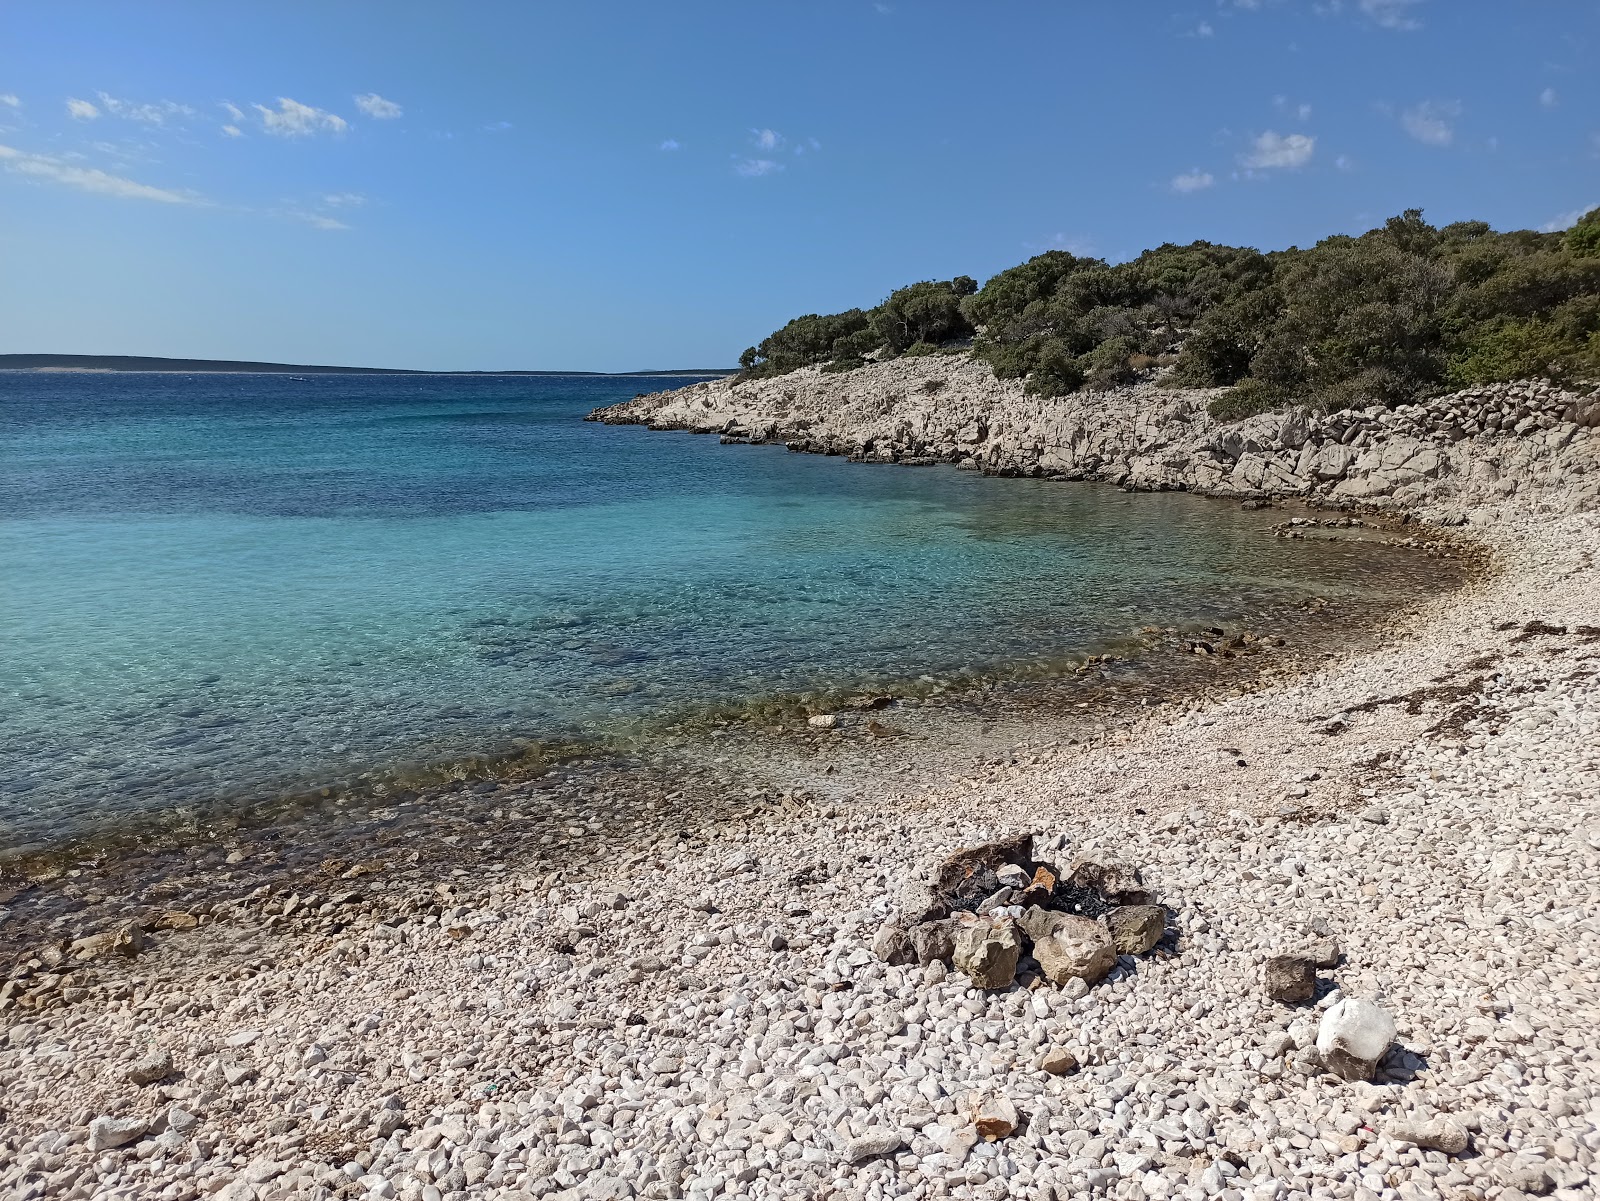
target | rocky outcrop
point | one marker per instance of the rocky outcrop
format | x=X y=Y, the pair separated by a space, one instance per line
x=1442 y=458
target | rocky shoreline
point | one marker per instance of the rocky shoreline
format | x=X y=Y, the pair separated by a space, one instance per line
x=1444 y=459
x=723 y=1008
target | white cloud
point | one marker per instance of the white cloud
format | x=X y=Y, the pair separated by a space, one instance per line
x=1567 y=220
x=318 y=220
x=1280 y=150
x=1548 y=98
x=235 y=113
x=233 y=131
x=754 y=167
x=376 y=107
x=1429 y=122
x=1194 y=181
x=81 y=110
x=344 y=200
x=670 y=144
x=1343 y=162
x=1204 y=30
x=291 y=119
x=10 y=100
x=1392 y=14
x=39 y=166
x=767 y=139
x=157 y=113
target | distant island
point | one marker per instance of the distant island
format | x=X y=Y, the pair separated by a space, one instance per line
x=133 y=362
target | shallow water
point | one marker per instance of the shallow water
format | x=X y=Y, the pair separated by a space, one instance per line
x=246 y=586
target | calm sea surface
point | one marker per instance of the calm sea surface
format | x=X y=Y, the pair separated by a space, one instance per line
x=239 y=586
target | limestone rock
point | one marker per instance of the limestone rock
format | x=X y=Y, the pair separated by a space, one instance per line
x=1135 y=929
x=1078 y=949
x=892 y=944
x=157 y=1065
x=1058 y=1061
x=1290 y=978
x=995 y=1118
x=1353 y=1038
x=1439 y=1134
x=879 y=1141
x=987 y=952
x=935 y=941
x=106 y=1133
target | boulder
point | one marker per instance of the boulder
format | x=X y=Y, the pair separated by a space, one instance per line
x=1290 y=978
x=935 y=941
x=1015 y=848
x=892 y=943
x=987 y=952
x=1135 y=929
x=1118 y=883
x=1078 y=949
x=1039 y=923
x=1353 y=1038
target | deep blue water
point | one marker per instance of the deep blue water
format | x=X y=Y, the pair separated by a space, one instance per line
x=238 y=585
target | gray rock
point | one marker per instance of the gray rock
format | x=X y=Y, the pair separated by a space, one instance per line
x=892 y=943
x=935 y=941
x=1354 y=1036
x=872 y=1143
x=1290 y=978
x=106 y=1133
x=147 y=1069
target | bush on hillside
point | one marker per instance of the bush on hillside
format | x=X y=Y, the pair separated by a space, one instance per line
x=1400 y=312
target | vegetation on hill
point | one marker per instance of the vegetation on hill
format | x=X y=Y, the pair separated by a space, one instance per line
x=1402 y=311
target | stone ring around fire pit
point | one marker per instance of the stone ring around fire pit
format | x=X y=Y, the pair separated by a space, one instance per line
x=984 y=907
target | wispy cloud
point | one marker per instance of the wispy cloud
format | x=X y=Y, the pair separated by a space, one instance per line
x=1284 y=105
x=1548 y=98
x=376 y=107
x=88 y=179
x=1429 y=122
x=291 y=119
x=1567 y=220
x=232 y=131
x=149 y=113
x=497 y=127
x=1193 y=181
x=316 y=220
x=754 y=167
x=767 y=139
x=1272 y=150
x=1203 y=30
x=670 y=144
x=1391 y=14
x=1082 y=247
x=344 y=200
x=81 y=110
x=10 y=100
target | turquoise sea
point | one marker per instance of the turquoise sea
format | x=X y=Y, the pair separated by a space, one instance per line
x=237 y=587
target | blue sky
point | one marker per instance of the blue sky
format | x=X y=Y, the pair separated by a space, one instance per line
x=616 y=186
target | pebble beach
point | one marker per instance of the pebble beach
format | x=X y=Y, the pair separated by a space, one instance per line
x=701 y=1012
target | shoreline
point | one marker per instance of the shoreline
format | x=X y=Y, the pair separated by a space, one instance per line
x=698 y=1011
x=281 y=843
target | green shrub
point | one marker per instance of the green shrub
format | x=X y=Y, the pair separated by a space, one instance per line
x=1583 y=239
x=1245 y=399
x=1400 y=312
